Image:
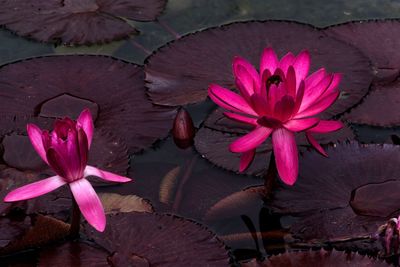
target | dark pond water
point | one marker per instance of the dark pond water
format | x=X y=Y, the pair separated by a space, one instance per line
x=340 y=212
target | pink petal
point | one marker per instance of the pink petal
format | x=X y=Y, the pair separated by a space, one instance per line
x=319 y=107
x=259 y=104
x=286 y=155
x=241 y=118
x=269 y=60
x=229 y=100
x=302 y=66
x=286 y=61
x=315 y=77
x=251 y=140
x=89 y=203
x=291 y=82
x=315 y=144
x=58 y=163
x=336 y=78
x=284 y=108
x=301 y=124
x=245 y=159
x=250 y=70
x=86 y=122
x=311 y=94
x=35 y=189
x=108 y=176
x=326 y=127
x=247 y=82
x=35 y=135
x=245 y=93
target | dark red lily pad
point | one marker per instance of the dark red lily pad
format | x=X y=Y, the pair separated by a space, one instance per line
x=321 y=258
x=32 y=88
x=73 y=254
x=380 y=108
x=148 y=238
x=344 y=197
x=378 y=39
x=77 y=22
x=213 y=139
x=180 y=72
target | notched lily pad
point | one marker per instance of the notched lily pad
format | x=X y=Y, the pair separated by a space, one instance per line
x=148 y=238
x=180 y=72
x=77 y=22
x=343 y=197
x=380 y=108
x=32 y=88
x=73 y=254
x=213 y=139
x=377 y=39
x=321 y=258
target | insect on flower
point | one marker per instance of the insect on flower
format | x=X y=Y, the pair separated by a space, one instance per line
x=279 y=100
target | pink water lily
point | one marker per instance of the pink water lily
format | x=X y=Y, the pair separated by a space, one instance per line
x=279 y=100
x=65 y=150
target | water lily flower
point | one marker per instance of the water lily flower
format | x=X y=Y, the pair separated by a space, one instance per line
x=279 y=100
x=65 y=150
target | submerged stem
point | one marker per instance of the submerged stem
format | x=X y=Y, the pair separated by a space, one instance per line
x=270 y=177
x=75 y=219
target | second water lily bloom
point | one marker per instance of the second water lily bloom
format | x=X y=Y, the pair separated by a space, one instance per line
x=278 y=101
x=65 y=150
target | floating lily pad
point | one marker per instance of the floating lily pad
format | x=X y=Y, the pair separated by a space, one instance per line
x=345 y=196
x=73 y=254
x=321 y=258
x=77 y=22
x=213 y=139
x=187 y=192
x=180 y=72
x=154 y=239
x=377 y=39
x=380 y=108
x=57 y=86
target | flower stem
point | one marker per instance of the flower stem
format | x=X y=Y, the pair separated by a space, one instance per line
x=270 y=177
x=75 y=219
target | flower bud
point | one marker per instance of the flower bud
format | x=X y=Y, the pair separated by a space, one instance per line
x=183 y=130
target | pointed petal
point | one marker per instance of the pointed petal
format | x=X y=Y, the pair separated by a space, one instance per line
x=315 y=77
x=229 y=100
x=241 y=118
x=286 y=61
x=244 y=92
x=251 y=140
x=239 y=63
x=247 y=82
x=259 y=104
x=59 y=164
x=302 y=66
x=315 y=144
x=319 y=107
x=301 y=124
x=35 y=135
x=269 y=60
x=89 y=203
x=108 y=176
x=85 y=120
x=245 y=159
x=326 y=127
x=286 y=155
x=35 y=189
x=291 y=78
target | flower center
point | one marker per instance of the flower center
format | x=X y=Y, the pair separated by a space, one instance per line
x=274 y=79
